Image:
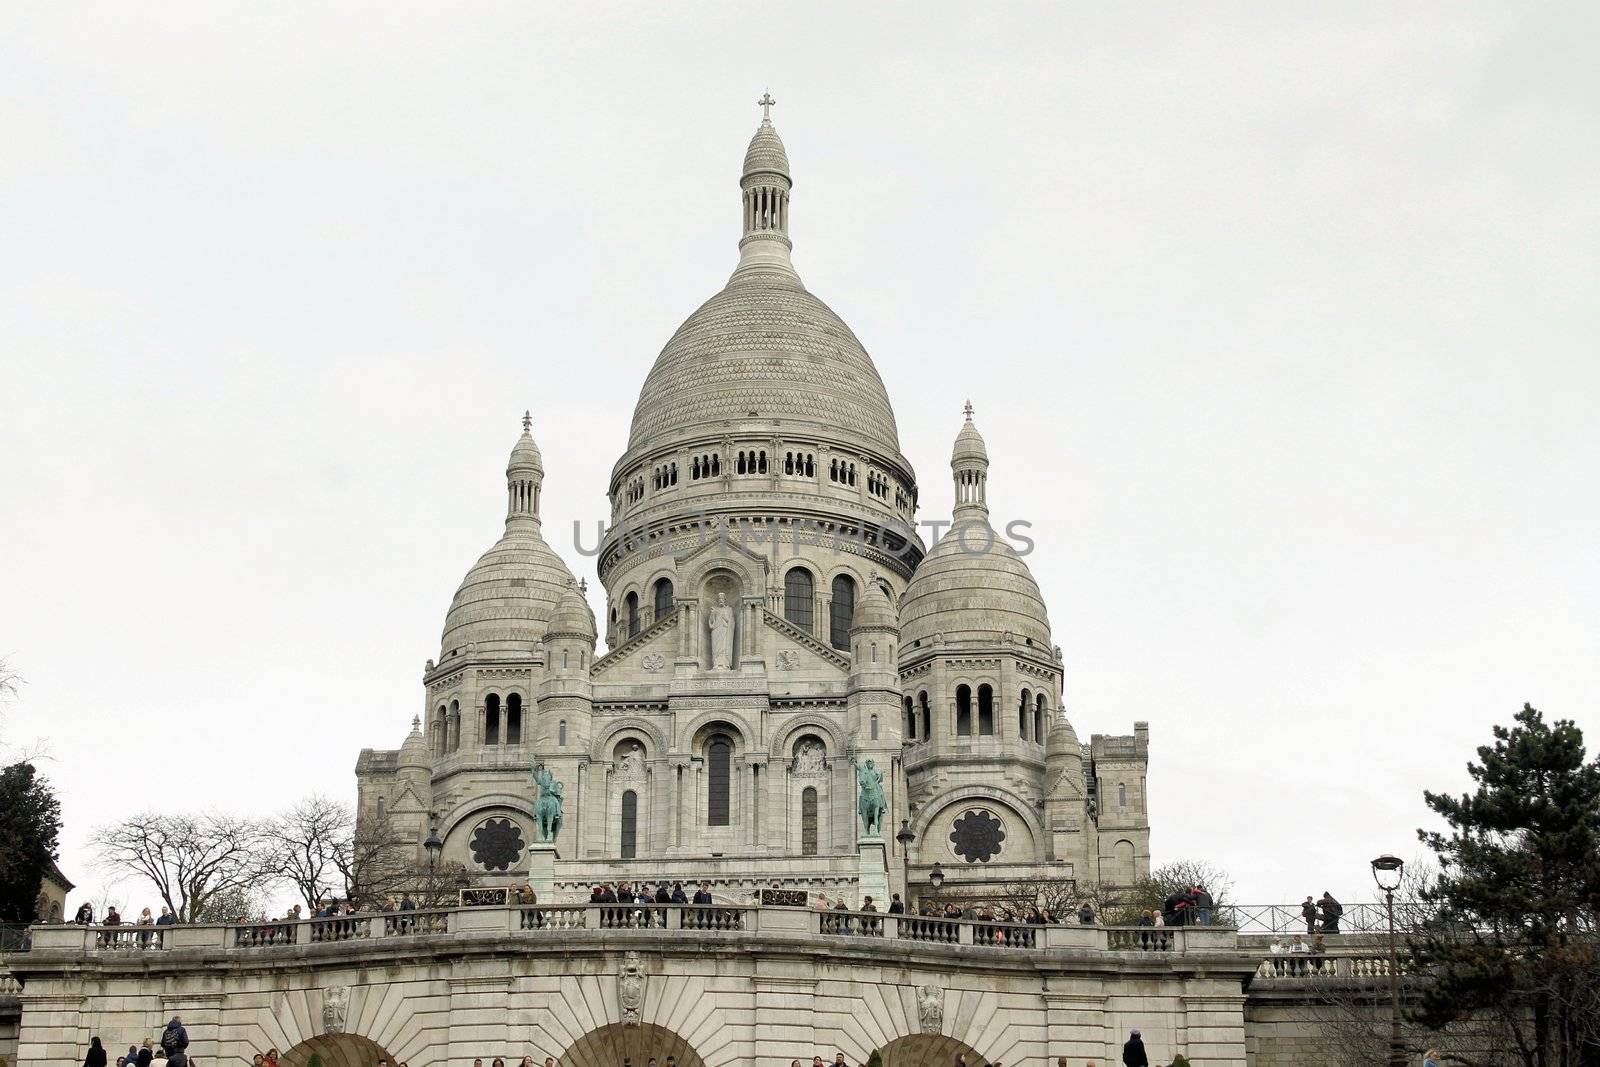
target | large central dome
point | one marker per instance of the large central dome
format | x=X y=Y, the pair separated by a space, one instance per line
x=764 y=348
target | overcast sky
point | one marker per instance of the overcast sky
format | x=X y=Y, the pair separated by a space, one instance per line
x=1279 y=321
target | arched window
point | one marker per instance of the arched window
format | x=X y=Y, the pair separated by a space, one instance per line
x=455 y=725
x=630 y=605
x=874 y=728
x=719 y=771
x=491 y=719
x=798 y=592
x=439 y=731
x=985 y=711
x=911 y=720
x=1024 y=715
x=963 y=711
x=842 y=611
x=927 y=715
x=382 y=808
x=663 y=598
x=513 y=719
x=630 y=824
x=1122 y=794
x=561 y=733
x=1039 y=734
x=808 y=821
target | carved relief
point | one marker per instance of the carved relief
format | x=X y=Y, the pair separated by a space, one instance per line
x=930 y=1008
x=788 y=659
x=630 y=989
x=654 y=661
x=630 y=762
x=809 y=759
x=335 y=1008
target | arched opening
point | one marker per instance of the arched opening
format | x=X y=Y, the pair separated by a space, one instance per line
x=808 y=821
x=630 y=824
x=1039 y=734
x=842 y=611
x=985 y=711
x=439 y=731
x=874 y=728
x=491 y=719
x=631 y=606
x=963 y=711
x=928 y=1050
x=719 y=771
x=455 y=725
x=561 y=733
x=911 y=720
x=927 y=715
x=1024 y=715
x=337 y=1050
x=615 y=1044
x=663 y=598
x=513 y=719
x=798 y=592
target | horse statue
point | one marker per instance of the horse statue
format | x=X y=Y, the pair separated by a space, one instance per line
x=547 y=809
x=871 y=803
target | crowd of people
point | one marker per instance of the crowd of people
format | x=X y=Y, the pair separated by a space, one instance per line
x=169 y=1049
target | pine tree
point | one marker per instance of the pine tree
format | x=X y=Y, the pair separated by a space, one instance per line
x=30 y=823
x=1511 y=949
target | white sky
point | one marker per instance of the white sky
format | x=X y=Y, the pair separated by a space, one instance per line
x=1279 y=320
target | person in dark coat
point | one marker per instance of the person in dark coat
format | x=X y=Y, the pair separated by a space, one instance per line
x=607 y=894
x=663 y=894
x=703 y=894
x=1133 y=1054
x=175 y=1042
x=96 y=1056
x=146 y=1054
x=1172 y=910
x=1331 y=911
x=678 y=895
x=1308 y=912
x=896 y=905
x=85 y=917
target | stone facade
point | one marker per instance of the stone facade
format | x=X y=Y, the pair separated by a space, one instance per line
x=774 y=620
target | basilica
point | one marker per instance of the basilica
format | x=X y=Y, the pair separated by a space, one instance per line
x=776 y=634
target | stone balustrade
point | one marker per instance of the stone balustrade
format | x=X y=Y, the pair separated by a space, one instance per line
x=1356 y=968
x=554 y=920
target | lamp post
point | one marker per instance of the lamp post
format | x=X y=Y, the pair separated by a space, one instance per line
x=905 y=837
x=1386 y=872
x=434 y=847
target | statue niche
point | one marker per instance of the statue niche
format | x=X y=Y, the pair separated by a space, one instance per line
x=721 y=615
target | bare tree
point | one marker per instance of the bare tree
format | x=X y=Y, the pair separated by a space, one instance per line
x=188 y=858
x=311 y=845
x=10 y=682
x=378 y=862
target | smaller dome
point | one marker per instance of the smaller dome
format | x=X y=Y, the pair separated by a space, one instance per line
x=572 y=617
x=766 y=154
x=525 y=454
x=1061 y=738
x=414 y=752
x=507 y=596
x=873 y=610
x=969 y=443
x=972 y=587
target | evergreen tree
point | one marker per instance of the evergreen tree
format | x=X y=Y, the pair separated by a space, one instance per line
x=1511 y=948
x=30 y=823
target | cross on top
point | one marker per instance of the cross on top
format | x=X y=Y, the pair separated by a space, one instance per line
x=766 y=103
x=527 y=421
x=968 y=410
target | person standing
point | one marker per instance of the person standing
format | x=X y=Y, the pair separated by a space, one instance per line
x=678 y=895
x=85 y=917
x=96 y=1056
x=1202 y=906
x=1133 y=1053
x=1308 y=912
x=175 y=1042
x=896 y=905
x=703 y=894
x=1331 y=911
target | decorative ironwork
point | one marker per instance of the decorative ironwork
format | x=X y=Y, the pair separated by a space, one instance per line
x=497 y=844
x=783 y=898
x=977 y=836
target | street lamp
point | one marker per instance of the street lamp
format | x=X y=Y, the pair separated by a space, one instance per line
x=1386 y=871
x=905 y=837
x=936 y=876
x=434 y=847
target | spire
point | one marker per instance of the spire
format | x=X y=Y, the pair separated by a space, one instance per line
x=524 y=476
x=764 y=198
x=969 y=463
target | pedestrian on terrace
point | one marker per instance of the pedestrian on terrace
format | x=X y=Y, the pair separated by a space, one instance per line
x=1133 y=1054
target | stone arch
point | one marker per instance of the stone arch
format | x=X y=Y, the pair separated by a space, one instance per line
x=929 y=1050
x=462 y=814
x=736 y=726
x=613 y=1044
x=604 y=741
x=749 y=569
x=790 y=732
x=337 y=1050
x=979 y=795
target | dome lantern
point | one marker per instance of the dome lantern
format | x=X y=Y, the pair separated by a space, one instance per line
x=969 y=462
x=764 y=198
x=524 y=476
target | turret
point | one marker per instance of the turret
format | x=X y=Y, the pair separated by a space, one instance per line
x=566 y=694
x=874 y=700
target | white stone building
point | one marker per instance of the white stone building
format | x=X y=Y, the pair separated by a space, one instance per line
x=773 y=618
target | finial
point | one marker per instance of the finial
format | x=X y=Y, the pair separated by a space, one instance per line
x=766 y=103
x=527 y=421
x=583 y=586
x=968 y=411
x=416 y=723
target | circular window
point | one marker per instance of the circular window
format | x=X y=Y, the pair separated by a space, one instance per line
x=496 y=844
x=977 y=836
